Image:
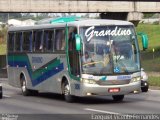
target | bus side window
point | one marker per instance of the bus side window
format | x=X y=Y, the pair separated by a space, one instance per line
x=38 y=41
x=18 y=42
x=26 y=41
x=11 y=37
x=59 y=39
x=48 y=40
x=72 y=44
x=31 y=41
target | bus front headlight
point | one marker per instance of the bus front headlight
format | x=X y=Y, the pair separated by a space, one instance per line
x=135 y=79
x=88 y=81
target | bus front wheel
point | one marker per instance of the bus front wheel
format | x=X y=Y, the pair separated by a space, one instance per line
x=66 y=92
x=144 y=89
x=118 y=98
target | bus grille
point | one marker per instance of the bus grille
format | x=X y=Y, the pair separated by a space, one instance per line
x=113 y=82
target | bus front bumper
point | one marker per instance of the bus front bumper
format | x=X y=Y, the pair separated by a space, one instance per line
x=95 y=89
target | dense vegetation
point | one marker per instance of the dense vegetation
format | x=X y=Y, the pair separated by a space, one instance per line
x=151 y=60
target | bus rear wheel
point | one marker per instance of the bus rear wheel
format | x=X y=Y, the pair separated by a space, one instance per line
x=66 y=92
x=118 y=98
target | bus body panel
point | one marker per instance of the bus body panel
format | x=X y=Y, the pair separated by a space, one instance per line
x=11 y=77
x=44 y=71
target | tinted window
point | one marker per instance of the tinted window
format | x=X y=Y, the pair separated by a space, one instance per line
x=71 y=38
x=59 y=39
x=38 y=41
x=18 y=41
x=11 y=41
x=48 y=40
x=27 y=41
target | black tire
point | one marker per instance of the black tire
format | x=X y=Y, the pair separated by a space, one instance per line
x=1 y=92
x=66 y=92
x=118 y=98
x=25 y=91
x=144 y=89
x=144 y=86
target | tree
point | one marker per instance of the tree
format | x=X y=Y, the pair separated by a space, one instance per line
x=3 y=33
x=148 y=15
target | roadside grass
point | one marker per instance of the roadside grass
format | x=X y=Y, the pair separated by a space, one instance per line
x=152 y=64
x=154 y=81
x=153 y=32
x=2 y=49
x=150 y=61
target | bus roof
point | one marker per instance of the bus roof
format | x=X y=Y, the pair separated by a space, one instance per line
x=81 y=22
x=98 y=22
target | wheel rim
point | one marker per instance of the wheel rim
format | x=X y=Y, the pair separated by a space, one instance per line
x=23 y=86
x=66 y=89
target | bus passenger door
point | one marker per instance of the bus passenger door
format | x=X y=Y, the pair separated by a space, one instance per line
x=73 y=53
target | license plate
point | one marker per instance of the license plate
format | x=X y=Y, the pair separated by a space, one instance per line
x=113 y=90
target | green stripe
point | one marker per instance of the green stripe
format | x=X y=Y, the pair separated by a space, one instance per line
x=17 y=58
x=38 y=72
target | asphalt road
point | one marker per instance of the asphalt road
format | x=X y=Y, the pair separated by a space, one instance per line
x=47 y=103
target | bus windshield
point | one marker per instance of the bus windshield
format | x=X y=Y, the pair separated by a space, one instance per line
x=109 y=50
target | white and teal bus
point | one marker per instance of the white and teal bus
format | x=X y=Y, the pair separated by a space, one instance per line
x=75 y=57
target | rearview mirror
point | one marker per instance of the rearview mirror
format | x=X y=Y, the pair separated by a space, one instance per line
x=144 y=40
x=78 y=42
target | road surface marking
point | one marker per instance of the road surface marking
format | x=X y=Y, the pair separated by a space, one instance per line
x=101 y=111
x=108 y=112
x=153 y=90
x=7 y=96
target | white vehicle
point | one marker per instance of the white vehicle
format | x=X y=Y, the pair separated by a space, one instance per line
x=75 y=58
x=144 y=81
x=1 y=92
